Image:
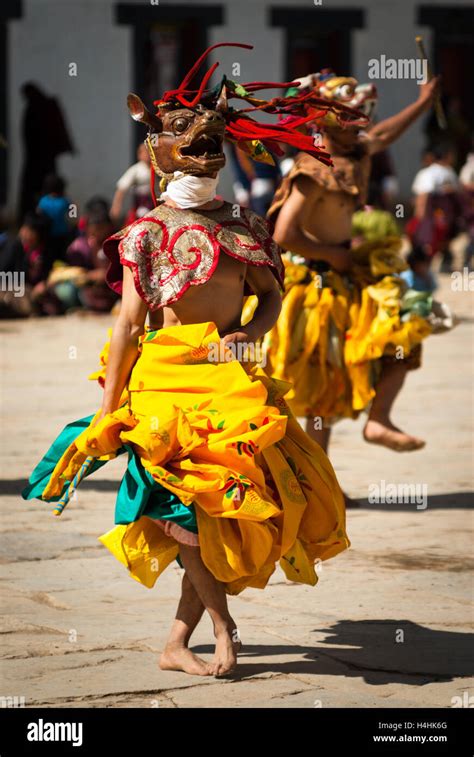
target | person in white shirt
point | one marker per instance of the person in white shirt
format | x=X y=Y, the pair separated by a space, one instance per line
x=136 y=178
x=466 y=177
x=439 y=177
x=436 y=191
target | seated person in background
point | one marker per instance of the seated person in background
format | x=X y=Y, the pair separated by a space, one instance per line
x=25 y=263
x=137 y=179
x=55 y=206
x=421 y=283
x=81 y=283
x=419 y=276
x=95 y=203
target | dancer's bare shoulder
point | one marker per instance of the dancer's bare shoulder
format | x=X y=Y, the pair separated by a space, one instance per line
x=324 y=215
x=297 y=209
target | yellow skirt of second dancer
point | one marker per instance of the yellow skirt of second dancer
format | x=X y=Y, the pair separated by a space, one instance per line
x=333 y=329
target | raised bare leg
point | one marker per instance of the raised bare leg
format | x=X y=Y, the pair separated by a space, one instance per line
x=212 y=595
x=321 y=436
x=379 y=429
x=176 y=655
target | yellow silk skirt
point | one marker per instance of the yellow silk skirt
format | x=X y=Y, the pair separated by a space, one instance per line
x=333 y=329
x=219 y=436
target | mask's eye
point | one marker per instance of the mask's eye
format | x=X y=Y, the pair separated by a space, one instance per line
x=180 y=125
x=345 y=90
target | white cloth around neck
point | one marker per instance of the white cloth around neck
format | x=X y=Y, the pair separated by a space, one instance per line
x=190 y=191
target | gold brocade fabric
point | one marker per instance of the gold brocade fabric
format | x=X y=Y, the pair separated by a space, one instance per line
x=349 y=175
x=171 y=249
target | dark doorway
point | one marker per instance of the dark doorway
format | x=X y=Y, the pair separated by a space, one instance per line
x=453 y=46
x=317 y=38
x=9 y=9
x=166 y=43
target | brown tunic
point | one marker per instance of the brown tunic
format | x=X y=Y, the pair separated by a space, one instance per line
x=349 y=175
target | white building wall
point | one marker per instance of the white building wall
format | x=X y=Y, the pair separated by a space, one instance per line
x=53 y=33
x=391 y=31
x=50 y=36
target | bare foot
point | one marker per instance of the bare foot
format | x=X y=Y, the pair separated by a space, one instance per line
x=388 y=435
x=181 y=658
x=225 y=657
x=351 y=504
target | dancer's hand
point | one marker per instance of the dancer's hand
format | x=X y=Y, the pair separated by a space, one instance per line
x=429 y=91
x=251 y=350
x=237 y=337
x=98 y=418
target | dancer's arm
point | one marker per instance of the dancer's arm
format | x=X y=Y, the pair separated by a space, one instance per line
x=291 y=235
x=383 y=134
x=264 y=285
x=123 y=351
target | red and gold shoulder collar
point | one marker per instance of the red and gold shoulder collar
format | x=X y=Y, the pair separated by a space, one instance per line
x=171 y=249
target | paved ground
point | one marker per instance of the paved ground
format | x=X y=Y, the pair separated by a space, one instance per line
x=388 y=624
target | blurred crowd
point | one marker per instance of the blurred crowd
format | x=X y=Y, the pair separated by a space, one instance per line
x=443 y=205
x=57 y=253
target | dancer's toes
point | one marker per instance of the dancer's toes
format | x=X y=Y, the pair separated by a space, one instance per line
x=388 y=435
x=181 y=658
x=225 y=657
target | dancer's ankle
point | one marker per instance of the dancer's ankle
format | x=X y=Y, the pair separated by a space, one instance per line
x=226 y=626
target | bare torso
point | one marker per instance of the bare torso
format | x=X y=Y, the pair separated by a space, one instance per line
x=219 y=300
x=328 y=217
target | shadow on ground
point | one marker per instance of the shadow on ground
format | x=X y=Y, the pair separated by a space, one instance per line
x=379 y=651
x=11 y=487
x=453 y=500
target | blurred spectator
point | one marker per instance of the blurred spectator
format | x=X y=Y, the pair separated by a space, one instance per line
x=287 y=162
x=437 y=205
x=466 y=178
x=135 y=179
x=418 y=298
x=45 y=136
x=466 y=175
x=82 y=282
x=439 y=176
x=457 y=133
x=264 y=183
x=25 y=261
x=427 y=157
x=383 y=179
x=419 y=275
x=242 y=170
x=255 y=182
x=55 y=206
x=95 y=203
